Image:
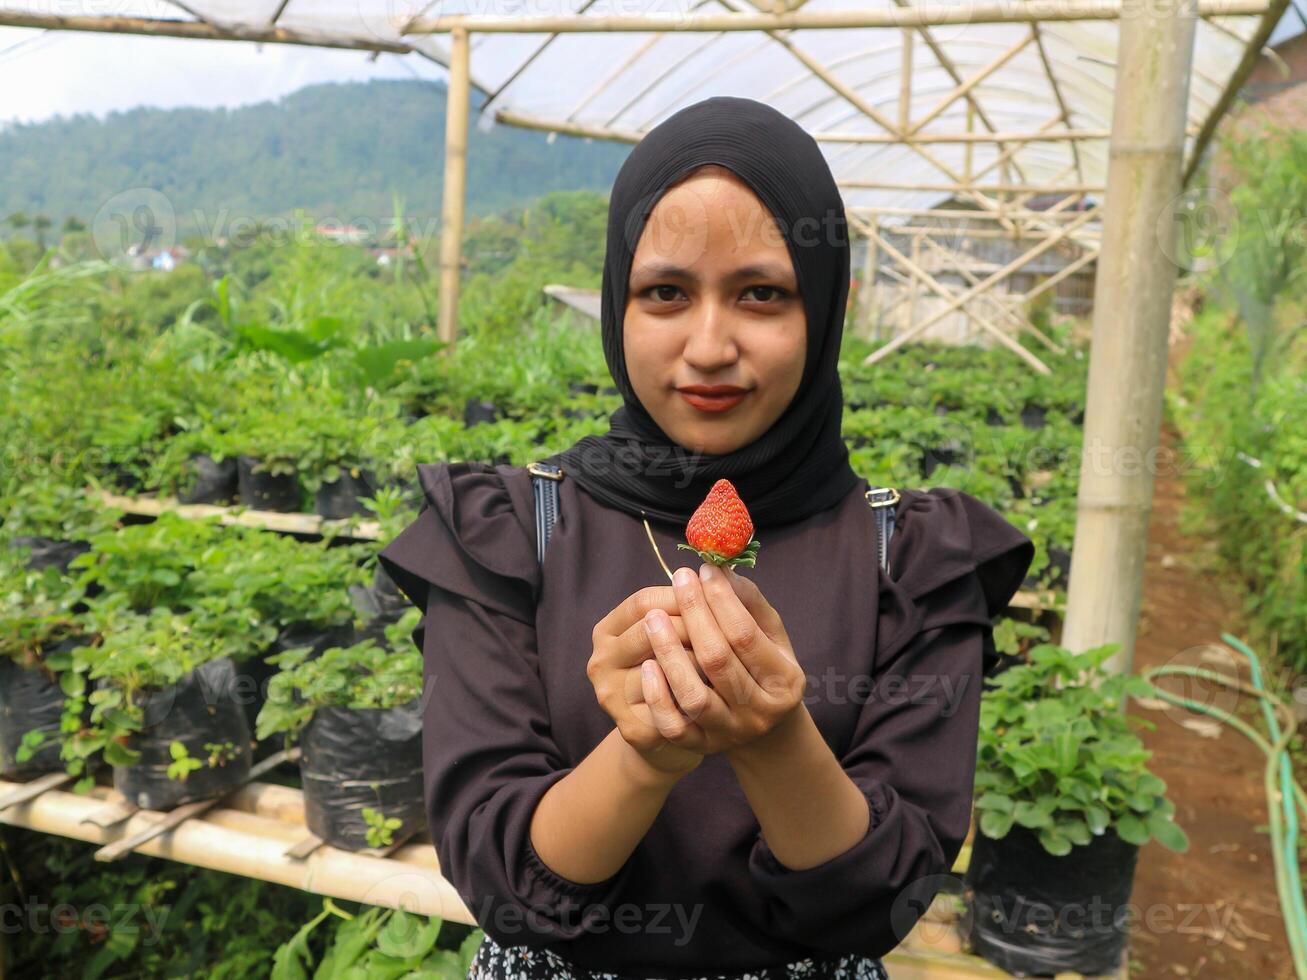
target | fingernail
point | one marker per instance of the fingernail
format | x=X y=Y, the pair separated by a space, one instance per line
x=683 y=576
x=706 y=571
x=653 y=622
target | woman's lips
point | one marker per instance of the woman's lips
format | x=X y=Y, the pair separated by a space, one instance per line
x=713 y=403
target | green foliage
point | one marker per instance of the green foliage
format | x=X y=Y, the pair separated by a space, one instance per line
x=1057 y=756
x=365 y=675
x=381 y=828
x=36 y=611
x=141 y=916
x=374 y=942
x=1241 y=400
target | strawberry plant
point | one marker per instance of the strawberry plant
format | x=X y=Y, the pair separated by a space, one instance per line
x=364 y=675
x=1057 y=754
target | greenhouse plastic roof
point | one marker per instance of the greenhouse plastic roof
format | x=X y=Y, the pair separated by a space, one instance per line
x=1051 y=77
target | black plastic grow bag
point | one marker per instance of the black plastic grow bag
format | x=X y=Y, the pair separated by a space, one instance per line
x=267 y=491
x=211 y=481
x=357 y=758
x=342 y=497
x=200 y=709
x=381 y=600
x=29 y=701
x=1033 y=913
x=44 y=552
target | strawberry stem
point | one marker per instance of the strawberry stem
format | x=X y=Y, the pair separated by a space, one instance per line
x=658 y=554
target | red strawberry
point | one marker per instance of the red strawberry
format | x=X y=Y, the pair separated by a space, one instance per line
x=720 y=530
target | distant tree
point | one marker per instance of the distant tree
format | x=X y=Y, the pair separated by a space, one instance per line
x=42 y=224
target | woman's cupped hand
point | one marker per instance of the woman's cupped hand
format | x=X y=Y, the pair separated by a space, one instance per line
x=702 y=666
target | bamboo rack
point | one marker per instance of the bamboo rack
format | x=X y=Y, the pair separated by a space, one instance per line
x=249 y=835
x=266 y=520
x=256 y=827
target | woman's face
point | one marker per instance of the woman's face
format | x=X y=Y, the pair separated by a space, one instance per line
x=713 y=301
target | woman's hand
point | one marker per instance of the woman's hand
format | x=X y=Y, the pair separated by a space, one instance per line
x=741 y=680
x=620 y=646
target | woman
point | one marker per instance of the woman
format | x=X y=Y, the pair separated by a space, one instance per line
x=616 y=788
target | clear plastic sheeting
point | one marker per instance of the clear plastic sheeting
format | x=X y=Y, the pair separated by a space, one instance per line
x=1047 y=78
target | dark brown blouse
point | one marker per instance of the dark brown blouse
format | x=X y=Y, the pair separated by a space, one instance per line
x=894 y=666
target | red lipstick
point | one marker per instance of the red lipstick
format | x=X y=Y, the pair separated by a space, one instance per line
x=713 y=398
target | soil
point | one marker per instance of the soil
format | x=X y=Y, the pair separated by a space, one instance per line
x=1212 y=911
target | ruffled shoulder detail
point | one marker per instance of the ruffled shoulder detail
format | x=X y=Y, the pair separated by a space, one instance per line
x=953 y=559
x=474 y=536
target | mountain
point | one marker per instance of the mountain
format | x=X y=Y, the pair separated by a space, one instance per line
x=336 y=150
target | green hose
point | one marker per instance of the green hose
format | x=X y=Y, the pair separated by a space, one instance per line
x=1280 y=800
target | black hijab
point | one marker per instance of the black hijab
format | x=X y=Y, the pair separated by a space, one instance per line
x=800 y=465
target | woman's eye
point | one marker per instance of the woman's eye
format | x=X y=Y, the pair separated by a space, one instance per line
x=664 y=293
x=775 y=292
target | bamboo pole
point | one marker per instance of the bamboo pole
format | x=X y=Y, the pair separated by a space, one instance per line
x=905 y=85
x=194 y=30
x=1132 y=311
x=454 y=195
x=253 y=845
x=266 y=520
x=915 y=293
x=569 y=127
x=926 y=15
x=868 y=307
x=965 y=88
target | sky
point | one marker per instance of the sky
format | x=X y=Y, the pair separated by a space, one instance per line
x=44 y=73
x=65 y=72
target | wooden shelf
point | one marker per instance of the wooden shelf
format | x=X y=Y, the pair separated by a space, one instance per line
x=268 y=520
x=249 y=835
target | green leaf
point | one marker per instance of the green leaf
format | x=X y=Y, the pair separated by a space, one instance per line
x=72 y=683
x=995 y=801
x=1132 y=830
x=407 y=936
x=995 y=824
x=1054 y=842
x=1168 y=833
x=117 y=754
x=292 y=957
x=1034 y=816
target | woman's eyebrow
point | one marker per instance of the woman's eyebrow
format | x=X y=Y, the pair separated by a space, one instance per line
x=660 y=270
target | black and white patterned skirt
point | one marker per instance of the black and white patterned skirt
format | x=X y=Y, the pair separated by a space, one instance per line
x=495 y=962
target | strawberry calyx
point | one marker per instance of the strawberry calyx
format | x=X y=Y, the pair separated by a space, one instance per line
x=745 y=559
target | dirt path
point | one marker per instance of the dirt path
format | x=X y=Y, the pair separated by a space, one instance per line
x=1214 y=909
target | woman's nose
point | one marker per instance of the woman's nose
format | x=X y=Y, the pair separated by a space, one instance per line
x=711 y=343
